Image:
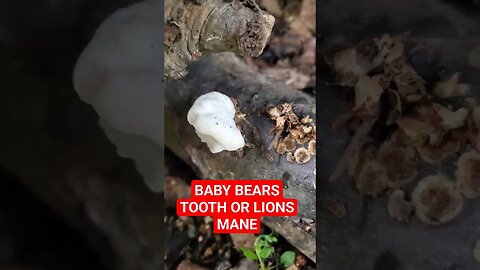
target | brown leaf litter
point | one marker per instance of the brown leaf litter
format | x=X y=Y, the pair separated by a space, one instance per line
x=451 y=87
x=294 y=137
x=423 y=122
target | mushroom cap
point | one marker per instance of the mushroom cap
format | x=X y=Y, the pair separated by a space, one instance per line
x=212 y=116
x=437 y=200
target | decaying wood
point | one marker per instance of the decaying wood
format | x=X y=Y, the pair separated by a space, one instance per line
x=194 y=27
x=254 y=93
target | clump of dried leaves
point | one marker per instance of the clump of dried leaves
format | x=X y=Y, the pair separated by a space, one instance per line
x=295 y=137
x=422 y=121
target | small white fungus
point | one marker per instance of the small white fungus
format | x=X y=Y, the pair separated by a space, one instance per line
x=212 y=115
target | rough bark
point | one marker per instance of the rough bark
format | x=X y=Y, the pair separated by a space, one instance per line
x=254 y=92
x=196 y=26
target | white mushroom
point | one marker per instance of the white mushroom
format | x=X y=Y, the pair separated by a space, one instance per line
x=212 y=115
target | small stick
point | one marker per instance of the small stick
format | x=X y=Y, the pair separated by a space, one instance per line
x=355 y=144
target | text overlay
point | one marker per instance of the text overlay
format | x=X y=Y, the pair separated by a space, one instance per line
x=237 y=205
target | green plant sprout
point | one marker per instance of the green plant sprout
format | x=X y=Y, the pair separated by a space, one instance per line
x=263 y=250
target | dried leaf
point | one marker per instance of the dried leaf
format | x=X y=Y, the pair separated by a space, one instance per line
x=349 y=67
x=424 y=125
x=418 y=131
x=306 y=129
x=450 y=119
x=368 y=92
x=410 y=86
x=274 y=113
x=451 y=88
x=448 y=146
x=389 y=49
x=280 y=123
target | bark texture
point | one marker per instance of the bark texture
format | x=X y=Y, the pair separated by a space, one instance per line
x=193 y=27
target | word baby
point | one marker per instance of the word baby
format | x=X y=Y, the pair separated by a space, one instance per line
x=239 y=189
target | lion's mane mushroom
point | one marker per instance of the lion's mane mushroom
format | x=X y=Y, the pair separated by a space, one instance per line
x=212 y=115
x=436 y=200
